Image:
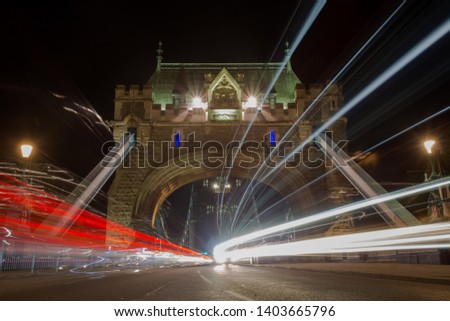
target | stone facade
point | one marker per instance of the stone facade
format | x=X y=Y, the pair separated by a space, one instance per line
x=218 y=104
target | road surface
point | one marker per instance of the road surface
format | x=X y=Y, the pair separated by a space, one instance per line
x=213 y=282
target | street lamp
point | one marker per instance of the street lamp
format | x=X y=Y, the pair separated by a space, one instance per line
x=437 y=203
x=429 y=145
x=429 y=148
x=26 y=150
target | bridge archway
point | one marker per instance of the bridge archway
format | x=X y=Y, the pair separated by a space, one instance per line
x=162 y=182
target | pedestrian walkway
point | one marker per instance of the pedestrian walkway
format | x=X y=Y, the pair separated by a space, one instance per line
x=439 y=274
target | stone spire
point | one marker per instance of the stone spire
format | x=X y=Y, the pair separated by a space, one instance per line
x=288 y=56
x=159 y=57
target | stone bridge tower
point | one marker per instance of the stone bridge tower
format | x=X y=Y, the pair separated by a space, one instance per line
x=194 y=121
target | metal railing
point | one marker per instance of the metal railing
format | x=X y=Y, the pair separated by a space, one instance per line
x=19 y=256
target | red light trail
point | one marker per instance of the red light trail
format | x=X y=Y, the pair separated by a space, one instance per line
x=26 y=212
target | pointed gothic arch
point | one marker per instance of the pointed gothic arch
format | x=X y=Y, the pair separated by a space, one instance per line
x=224 y=92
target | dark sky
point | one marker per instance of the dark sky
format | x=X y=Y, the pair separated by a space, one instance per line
x=59 y=53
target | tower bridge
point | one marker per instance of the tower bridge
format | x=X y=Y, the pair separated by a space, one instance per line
x=188 y=119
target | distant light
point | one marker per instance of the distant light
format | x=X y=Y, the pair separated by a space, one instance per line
x=429 y=145
x=252 y=102
x=227 y=186
x=26 y=150
x=216 y=185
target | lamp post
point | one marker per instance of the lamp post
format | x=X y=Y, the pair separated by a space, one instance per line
x=26 y=150
x=438 y=203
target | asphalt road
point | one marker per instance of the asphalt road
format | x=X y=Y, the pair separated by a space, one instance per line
x=214 y=282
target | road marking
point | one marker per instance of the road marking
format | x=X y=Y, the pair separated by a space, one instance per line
x=156 y=290
x=236 y=295
x=205 y=279
x=239 y=296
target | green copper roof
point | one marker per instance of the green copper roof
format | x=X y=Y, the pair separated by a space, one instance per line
x=175 y=78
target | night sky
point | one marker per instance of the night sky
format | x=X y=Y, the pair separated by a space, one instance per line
x=59 y=53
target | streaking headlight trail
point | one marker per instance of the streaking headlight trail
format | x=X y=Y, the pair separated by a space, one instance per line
x=223 y=251
x=406 y=238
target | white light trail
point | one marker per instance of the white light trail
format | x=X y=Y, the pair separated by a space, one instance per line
x=313 y=14
x=84 y=194
x=356 y=157
x=8 y=231
x=405 y=130
x=318 y=6
x=220 y=250
x=314 y=103
x=429 y=236
x=408 y=57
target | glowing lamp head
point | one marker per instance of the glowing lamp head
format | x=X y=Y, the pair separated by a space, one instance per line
x=26 y=150
x=252 y=102
x=216 y=186
x=197 y=102
x=429 y=145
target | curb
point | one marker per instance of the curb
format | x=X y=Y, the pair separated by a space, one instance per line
x=440 y=281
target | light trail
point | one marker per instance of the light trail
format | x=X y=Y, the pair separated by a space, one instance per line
x=407 y=58
x=405 y=130
x=317 y=8
x=313 y=14
x=75 y=269
x=407 y=238
x=86 y=230
x=404 y=60
x=429 y=236
x=316 y=180
x=85 y=192
x=314 y=104
x=221 y=250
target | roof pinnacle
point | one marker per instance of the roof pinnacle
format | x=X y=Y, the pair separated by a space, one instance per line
x=159 y=57
x=287 y=57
